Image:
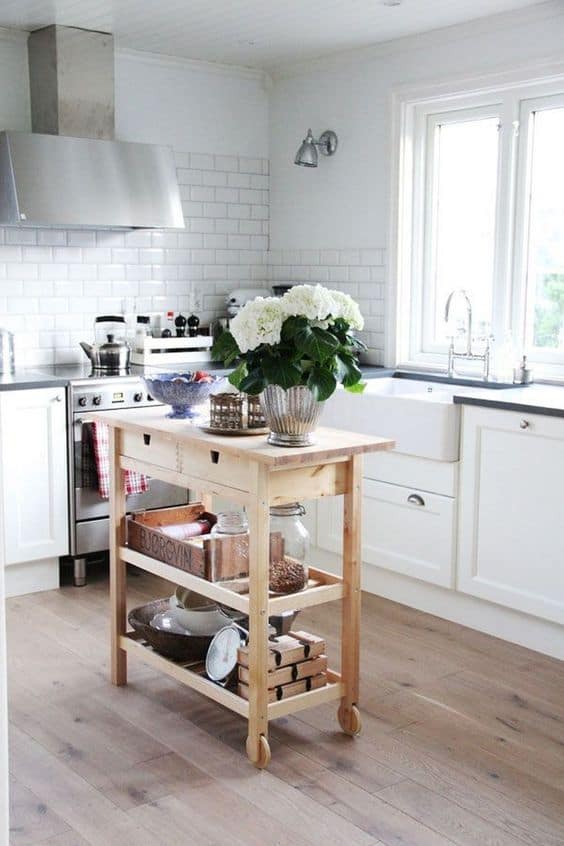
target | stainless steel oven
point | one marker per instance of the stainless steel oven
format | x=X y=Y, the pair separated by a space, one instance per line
x=89 y=513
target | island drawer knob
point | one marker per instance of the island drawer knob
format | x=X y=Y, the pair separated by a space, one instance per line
x=524 y=424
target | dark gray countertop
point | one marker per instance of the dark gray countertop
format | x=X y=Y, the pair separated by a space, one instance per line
x=533 y=399
x=27 y=379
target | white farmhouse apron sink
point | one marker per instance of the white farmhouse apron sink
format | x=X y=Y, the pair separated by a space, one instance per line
x=420 y=416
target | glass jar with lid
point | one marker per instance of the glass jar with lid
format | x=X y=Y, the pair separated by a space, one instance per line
x=287 y=519
x=231 y=523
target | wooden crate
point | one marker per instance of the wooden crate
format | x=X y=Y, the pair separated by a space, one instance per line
x=162 y=352
x=284 y=691
x=287 y=649
x=212 y=557
x=291 y=673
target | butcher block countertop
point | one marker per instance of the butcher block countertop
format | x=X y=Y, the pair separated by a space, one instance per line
x=331 y=443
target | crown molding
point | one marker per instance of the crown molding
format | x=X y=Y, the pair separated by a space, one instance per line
x=421 y=41
x=195 y=65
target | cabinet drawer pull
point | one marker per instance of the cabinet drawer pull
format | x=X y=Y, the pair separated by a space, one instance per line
x=415 y=499
x=524 y=424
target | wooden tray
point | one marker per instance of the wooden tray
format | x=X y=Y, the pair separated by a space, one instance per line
x=246 y=432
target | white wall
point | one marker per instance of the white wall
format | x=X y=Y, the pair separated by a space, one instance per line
x=190 y=105
x=53 y=282
x=344 y=203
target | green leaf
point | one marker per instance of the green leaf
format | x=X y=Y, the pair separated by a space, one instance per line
x=316 y=342
x=357 y=388
x=254 y=383
x=238 y=375
x=349 y=371
x=281 y=371
x=225 y=348
x=291 y=325
x=322 y=383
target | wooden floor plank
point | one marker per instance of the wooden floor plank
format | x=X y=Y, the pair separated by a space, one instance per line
x=462 y=740
x=31 y=821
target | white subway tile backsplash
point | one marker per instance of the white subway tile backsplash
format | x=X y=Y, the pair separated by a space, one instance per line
x=58 y=305
x=111 y=272
x=53 y=271
x=22 y=271
x=20 y=236
x=228 y=227
x=53 y=282
x=259 y=212
x=189 y=177
x=227 y=195
x=214 y=178
x=201 y=161
x=247 y=165
x=228 y=163
x=81 y=272
x=67 y=254
x=202 y=193
x=239 y=180
x=10 y=254
x=138 y=238
x=78 y=238
x=215 y=240
x=253 y=227
x=37 y=254
x=51 y=237
x=237 y=210
x=202 y=224
x=160 y=238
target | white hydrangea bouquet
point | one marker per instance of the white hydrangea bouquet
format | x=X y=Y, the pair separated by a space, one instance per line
x=303 y=338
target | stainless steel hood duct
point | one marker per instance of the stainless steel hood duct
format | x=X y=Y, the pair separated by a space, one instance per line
x=63 y=174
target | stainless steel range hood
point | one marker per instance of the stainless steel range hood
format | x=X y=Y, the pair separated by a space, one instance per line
x=58 y=181
x=51 y=176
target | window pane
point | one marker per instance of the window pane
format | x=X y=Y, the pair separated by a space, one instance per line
x=545 y=275
x=465 y=194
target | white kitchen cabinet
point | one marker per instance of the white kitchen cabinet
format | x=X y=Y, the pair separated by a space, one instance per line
x=33 y=480
x=404 y=529
x=511 y=525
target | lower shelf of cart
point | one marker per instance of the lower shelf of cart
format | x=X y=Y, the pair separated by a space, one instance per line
x=191 y=675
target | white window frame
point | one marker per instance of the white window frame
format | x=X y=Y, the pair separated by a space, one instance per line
x=513 y=94
x=552 y=362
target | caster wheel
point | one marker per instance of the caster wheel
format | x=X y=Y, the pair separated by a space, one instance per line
x=263 y=759
x=350 y=722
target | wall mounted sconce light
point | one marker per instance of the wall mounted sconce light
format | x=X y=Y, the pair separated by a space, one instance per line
x=307 y=153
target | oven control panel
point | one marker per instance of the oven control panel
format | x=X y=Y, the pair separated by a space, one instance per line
x=102 y=398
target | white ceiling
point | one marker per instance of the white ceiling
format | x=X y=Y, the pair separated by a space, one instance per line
x=257 y=33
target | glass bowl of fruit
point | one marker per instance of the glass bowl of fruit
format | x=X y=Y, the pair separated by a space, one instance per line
x=183 y=391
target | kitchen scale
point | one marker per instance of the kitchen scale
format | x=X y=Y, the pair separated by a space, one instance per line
x=221 y=657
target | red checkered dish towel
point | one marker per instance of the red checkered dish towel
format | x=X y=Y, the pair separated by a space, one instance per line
x=135 y=483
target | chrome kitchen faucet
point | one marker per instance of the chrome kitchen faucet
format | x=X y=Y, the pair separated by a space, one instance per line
x=468 y=355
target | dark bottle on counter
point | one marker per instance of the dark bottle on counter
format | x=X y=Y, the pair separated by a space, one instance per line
x=193 y=323
x=180 y=323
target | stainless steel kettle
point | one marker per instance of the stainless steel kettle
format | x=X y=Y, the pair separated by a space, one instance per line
x=110 y=355
x=7 y=357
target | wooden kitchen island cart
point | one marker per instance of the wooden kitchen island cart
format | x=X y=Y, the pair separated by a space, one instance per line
x=249 y=472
